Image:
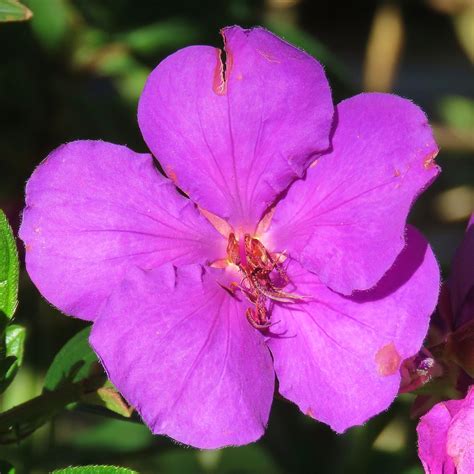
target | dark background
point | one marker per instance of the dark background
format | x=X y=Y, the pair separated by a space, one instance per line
x=76 y=71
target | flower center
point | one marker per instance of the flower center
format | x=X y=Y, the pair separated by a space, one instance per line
x=263 y=277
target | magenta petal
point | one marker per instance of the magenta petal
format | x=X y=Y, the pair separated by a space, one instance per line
x=94 y=210
x=346 y=220
x=180 y=350
x=432 y=436
x=446 y=435
x=234 y=145
x=460 y=440
x=338 y=357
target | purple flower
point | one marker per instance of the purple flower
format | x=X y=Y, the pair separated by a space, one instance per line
x=197 y=303
x=450 y=337
x=461 y=283
x=460 y=311
x=456 y=304
x=446 y=437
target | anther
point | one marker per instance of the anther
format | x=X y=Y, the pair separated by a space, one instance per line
x=257 y=266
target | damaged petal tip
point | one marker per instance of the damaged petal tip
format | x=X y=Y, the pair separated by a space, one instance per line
x=429 y=160
x=219 y=84
x=223 y=67
x=387 y=360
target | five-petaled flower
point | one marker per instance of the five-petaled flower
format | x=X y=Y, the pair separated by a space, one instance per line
x=294 y=208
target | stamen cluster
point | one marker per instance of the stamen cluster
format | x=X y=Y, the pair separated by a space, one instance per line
x=264 y=277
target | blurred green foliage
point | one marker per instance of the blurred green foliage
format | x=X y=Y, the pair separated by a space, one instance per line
x=76 y=70
x=457 y=111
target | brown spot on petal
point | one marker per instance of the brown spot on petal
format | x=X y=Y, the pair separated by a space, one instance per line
x=172 y=175
x=27 y=247
x=396 y=173
x=429 y=161
x=387 y=360
x=309 y=412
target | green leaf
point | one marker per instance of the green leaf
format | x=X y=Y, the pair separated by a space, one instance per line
x=11 y=10
x=94 y=470
x=108 y=397
x=9 y=268
x=12 y=337
x=12 y=359
x=15 y=341
x=73 y=362
x=70 y=377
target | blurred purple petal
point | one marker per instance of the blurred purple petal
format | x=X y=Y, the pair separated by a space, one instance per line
x=346 y=220
x=460 y=442
x=94 y=210
x=432 y=434
x=338 y=357
x=445 y=437
x=233 y=145
x=180 y=350
x=461 y=282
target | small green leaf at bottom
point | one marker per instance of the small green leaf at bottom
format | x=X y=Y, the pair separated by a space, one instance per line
x=94 y=470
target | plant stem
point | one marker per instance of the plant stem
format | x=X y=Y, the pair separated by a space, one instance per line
x=22 y=420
